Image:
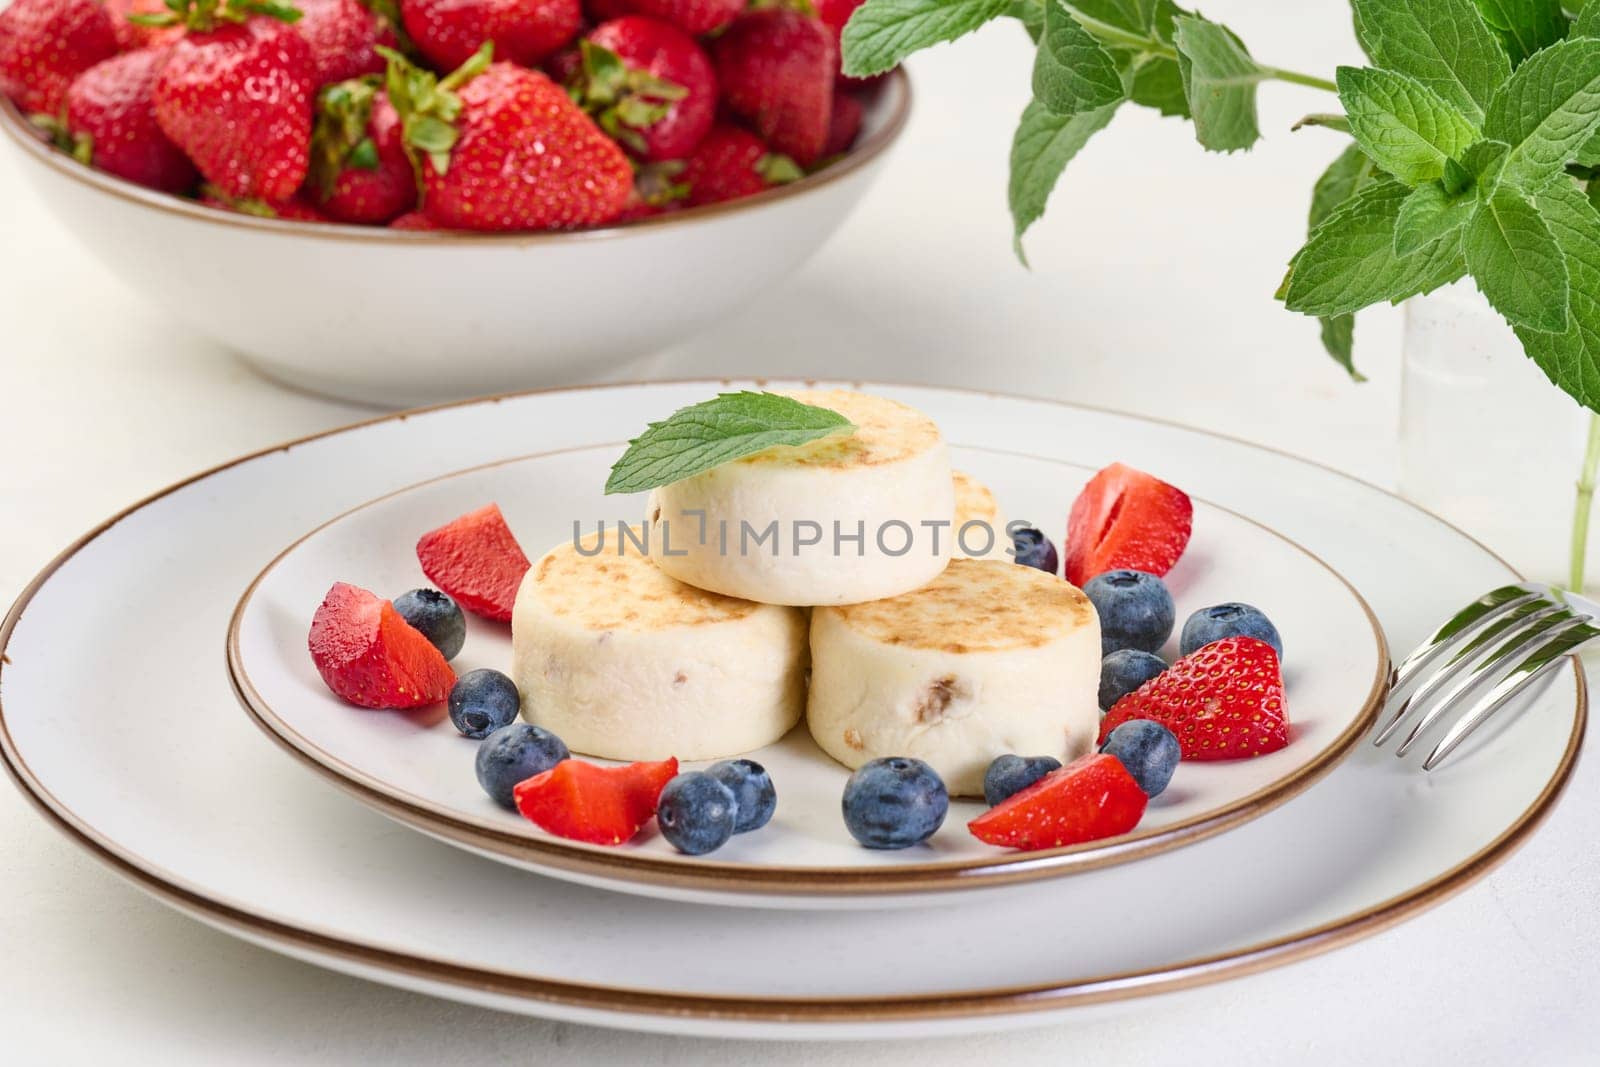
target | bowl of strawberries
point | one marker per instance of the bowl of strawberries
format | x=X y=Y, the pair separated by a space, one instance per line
x=403 y=201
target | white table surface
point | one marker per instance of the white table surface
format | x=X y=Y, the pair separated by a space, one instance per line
x=1150 y=292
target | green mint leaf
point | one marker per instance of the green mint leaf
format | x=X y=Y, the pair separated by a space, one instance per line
x=1515 y=260
x=1444 y=44
x=1158 y=84
x=883 y=32
x=1483 y=162
x=1405 y=127
x=1031 y=14
x=1589 y=154
x=1427 y=215
x=1350 y=261
x=1131 y=16
x=1339 y=338
x=1548 y=111
x=1571 y=358
x=1525 y=26
x=1344 y=177
x=713 y=432
x=1219 y=79
x=1071 y=72
x=1041 y=149
x=1588 y=23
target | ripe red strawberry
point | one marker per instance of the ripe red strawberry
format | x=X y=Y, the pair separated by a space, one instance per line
x=844 y=125
x=360 y=172
x=371 y=656
x=1092 y=797
x=1125 y=518
x=449 y=32
x=237 y=99
x=1223 y=701
x=504 y=149
x=732 y=163
x=476 y=560
x=46 y=44
x=777 y=68
x=600 y=805
x=413 y=220
x=344 y=36
x=648 y=84
x=111 y=113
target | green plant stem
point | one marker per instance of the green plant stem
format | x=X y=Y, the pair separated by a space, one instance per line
x=1585 y=501
x=1120 y=38
x=1294 y=77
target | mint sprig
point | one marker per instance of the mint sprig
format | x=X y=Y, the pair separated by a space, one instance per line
x=702 y=436
x=1470 y=131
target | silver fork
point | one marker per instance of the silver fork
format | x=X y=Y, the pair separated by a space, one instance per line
x=1498 y=645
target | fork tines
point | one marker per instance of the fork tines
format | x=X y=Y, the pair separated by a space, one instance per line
x=1504 y=640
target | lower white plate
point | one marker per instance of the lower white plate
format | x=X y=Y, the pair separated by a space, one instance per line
x=118 y=721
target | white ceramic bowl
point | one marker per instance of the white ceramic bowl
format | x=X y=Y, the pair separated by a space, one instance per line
x=403 y=318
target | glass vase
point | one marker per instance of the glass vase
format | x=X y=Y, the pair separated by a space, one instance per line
x=1486 y=441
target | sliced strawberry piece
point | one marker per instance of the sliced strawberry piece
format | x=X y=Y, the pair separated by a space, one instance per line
x=600 y=805
x=476 y=560
x=371 y=656
x=1125 y=518
x=1090 y=798
x=1222 y=701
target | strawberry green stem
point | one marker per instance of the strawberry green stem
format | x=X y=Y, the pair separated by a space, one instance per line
x=202 y=16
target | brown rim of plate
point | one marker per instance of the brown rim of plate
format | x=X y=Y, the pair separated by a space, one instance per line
x=894 y=94
x=966 y=1004
x=712 y=876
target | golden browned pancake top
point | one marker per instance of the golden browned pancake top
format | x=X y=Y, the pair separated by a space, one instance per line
x=626 y=591
x=887 y=431
x=974 y=502
x=974 y=606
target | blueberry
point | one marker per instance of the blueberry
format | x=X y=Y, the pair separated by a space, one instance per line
x=894 y=803
x=696 y=813
x=752 y=791
x=1149 y=751
x=514 y=754
x=1136 y=611
x=1228 y=620
x=482 y=701
x=1125 y=670
x=1009 y=775
x=437 y=616
x=1034 y=550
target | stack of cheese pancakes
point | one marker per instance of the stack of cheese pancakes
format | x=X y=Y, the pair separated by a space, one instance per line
x=863 y=557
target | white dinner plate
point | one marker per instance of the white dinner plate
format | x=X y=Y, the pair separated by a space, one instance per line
x=118 y=721
x=419 y=769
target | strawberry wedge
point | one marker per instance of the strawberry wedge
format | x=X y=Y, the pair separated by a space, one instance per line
x=1125 y=518
x=1222 y=701
x=476 y=560
x=600 y=805
x=371 y=656
x=1092 y=797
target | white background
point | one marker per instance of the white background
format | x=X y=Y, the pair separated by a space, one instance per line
x=1150 y=292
